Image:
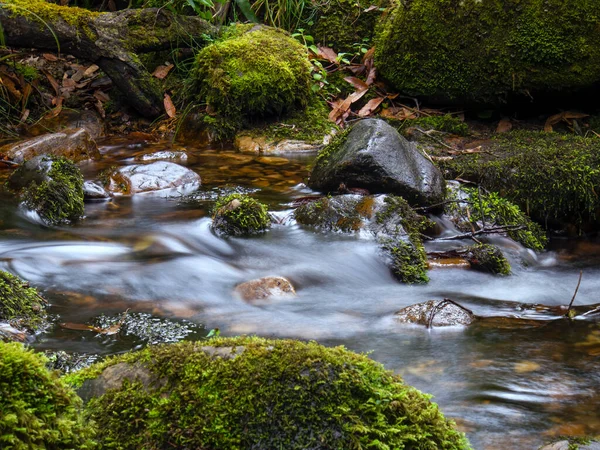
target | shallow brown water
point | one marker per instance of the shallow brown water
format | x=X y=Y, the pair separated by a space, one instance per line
x=507 y=386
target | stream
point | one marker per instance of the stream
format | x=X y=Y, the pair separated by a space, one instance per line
x=506 y=385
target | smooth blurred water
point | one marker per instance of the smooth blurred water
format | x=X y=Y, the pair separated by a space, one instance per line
x=507 y=386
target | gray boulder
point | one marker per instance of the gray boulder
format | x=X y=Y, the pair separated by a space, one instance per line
x=161 y=177
x=374 y=156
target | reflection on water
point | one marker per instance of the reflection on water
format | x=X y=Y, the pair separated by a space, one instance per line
x=506 y=386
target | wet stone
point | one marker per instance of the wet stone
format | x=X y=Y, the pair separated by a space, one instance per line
x=94 y=191
x=164 y=155
x=69 y=362
x=265 y=287
x=162 y=177
x=263 y=146
x=435 y=313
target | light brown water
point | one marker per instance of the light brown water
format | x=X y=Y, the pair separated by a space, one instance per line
x=507 y=386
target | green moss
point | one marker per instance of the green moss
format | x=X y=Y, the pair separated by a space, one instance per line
x=47 y=14
x=404 y=244
x=488 y=258
x=446 y=123
x=38 y=411
x=260 y=74
x=20 y=304
x=238 y=214
x=553 y=177
x=58 y=199
x=343 y=213
x=332 y=148
x=481 y=208
x=310 y=125
x=29 y=73
x=267 y=394
x=482 y=50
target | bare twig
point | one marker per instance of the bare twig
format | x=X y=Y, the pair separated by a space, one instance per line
x=567 y=314
x=489 y=230
x=434 y=139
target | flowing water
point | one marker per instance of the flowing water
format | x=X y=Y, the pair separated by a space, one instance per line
x=507 y=383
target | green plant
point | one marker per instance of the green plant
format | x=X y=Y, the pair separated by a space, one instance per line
x=238 y=214
x=20 y=304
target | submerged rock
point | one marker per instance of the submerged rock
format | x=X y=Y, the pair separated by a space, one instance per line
x=167 y=155
x=239 y=215
x=39 y=410
x=161 y=177
x=52 y=186
x=265 y=393
x=373 y=156
x=68 y=119
x=74 y=144
x=68 y=362
x=265 y=287
x=487 y=258
x=264 y=146
x=433 y=313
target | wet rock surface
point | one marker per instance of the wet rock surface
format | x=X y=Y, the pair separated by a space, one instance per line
x=374 y=156
x=264 y=146
x=94 y=191
x=75 y=144
x=161 y=177
x=265 y=287
x=165 y=155
x=433 y=313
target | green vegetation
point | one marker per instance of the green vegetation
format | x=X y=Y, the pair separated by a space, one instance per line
x=58 y=196
x=262 y=73
x=20 y=304
x=402 y=241
x=484 y=50
x=488 y=258
x=332 y=148
x=344 y=213
x=478 y=209
x=38 y=411
x=553 y=177
x=268 y=394
x=238 y=215
x=446 y=123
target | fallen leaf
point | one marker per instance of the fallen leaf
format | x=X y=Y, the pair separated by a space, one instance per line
x=565 y=116
x=58 y=101
x=101 y=96
x=371 y=76
x=342 y=109
x=504 y=126
x=53 y=82
x=49 y=57
x=370 y=107
x=24 y=116
x=90 y=70
x=371 y=8
x=526 y=366
x=357 y=69
x=169 y=106
x=328 y=54
x=357 y=83
x=161 y=72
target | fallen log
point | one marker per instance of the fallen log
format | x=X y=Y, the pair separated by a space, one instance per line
x=110 y=40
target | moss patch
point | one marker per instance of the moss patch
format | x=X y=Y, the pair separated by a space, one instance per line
x=553 y=177
x=446 y=123
x=488 y=258
x=57 y=195
x=238 y=215
x=38 y=410
x=474 y=50
x=259 y=74
x=267 y=394
x=332 y=148
x=20 y=304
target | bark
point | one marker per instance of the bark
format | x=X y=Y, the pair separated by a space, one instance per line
x=112 y=41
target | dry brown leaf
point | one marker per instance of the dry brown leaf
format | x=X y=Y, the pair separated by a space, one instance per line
x=369 y=55
x=342 y=109
x=371 y=76
x=370 y=107
x=77 y=76
x=169 y=106
x=50 y=57
x=53 y=82
x=25 y=115
x=504 y=126
x=101 y=96
x=328 y=54
x=358 y=84
x=11 y=87
x=58 y=101
x=356 y=69
x=90 y=71
x=161 y=72
x=565 y=116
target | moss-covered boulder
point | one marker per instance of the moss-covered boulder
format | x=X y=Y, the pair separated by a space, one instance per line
x=389 y=219
x=52 y=186
x=470 y=208
x=232 y=393
x=483 y=50
x=20 y=305
x=239 y=215
x=552 y=177
x=38 y=411
x=487 y=258
x=257 y=73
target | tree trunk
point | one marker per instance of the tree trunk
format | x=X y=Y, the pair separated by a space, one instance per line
x=110 y=40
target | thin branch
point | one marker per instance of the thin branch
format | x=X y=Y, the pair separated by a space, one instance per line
x=473 y=235
x=567 y=314
x=440 y=305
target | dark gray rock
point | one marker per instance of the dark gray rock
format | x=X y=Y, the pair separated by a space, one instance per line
x=374 y=156
x=436 y=314
x=94 y=191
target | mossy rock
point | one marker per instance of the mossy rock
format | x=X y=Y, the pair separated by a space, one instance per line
x=52 y=186
x=38 y=411
x=239 y=215
x=482 y=51
x=20 y=305
x=248 y=392
x=257 y=74
x=552 y=177
x=472 y=208
x=487 y=258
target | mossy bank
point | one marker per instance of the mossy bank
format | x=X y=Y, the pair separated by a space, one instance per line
x=20 y=305
x=231 y=393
